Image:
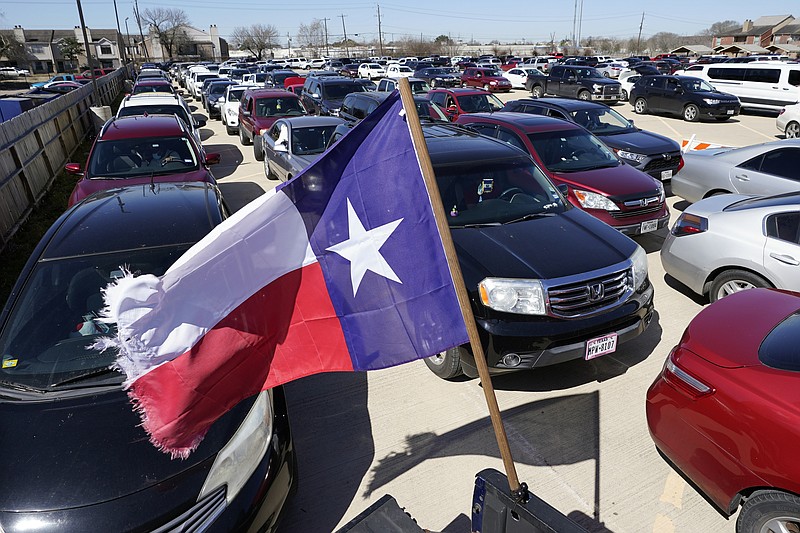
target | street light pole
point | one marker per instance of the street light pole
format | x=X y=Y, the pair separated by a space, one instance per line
x=89 y=58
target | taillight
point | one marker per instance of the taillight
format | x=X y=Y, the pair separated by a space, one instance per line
x=680 y=165
x=688 y=224
x=782 y=111
x=681 y=379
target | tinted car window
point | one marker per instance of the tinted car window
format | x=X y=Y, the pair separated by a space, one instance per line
x=340 y=90
x=270 y=107
x=176 y=109
x=784 y=226
x=783 y=163
x=510 y=137
x=308 y=141
x=779 y=348
x=762 y=75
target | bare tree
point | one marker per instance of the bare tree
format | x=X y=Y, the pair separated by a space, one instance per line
x=312 y=37
x=12 y=49
x=664 y=42
x=410 y=46
x=256 y=39
x=722 y=27
x=168 y=25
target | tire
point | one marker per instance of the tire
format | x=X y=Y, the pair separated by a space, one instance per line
x=268 y=172
x=769 y=511
x=244 y=140
x=258 y=150
x=691 y=113
x=606 y=75
x=584 y=95
x=446 y=365
x=230 y=131
x=792 y=130
x=625 y=95
x=537 y=91
x=640 y=106
x=734 y=280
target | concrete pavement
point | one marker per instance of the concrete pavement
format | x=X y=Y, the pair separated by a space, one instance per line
x=577 y=430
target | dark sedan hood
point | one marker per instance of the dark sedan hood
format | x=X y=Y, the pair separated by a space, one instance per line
x=641 y=142
x=78 y=451
x=548 y=247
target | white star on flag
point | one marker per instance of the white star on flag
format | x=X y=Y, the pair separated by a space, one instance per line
x=362 y=249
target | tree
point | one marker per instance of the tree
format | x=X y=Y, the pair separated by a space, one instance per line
x=664 y=41
x=312 y=37
x=70 y=48
x=168 y=26
x=256 y=39
x=11 y=48
x=722 y=28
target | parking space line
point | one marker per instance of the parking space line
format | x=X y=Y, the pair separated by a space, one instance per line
x=748 y=128
x=673 y=130
x=673 y=490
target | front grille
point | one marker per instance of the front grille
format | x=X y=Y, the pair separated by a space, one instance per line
x=200 y=516
x=636 y=212
x=588 y=297
x=611 y=90
x=662 y=163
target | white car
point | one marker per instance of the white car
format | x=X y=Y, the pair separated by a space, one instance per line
x=229 y=109
x=627 y=80
x=518 y=75
x=610 y=70
x=161 y=104
x=314 y=64
x=395 y=70
x=13 y=72
x=371 y=71
x=788 y=121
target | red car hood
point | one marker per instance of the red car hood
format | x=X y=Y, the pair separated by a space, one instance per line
x=729 y=332
x=619 y=181
x=85 y=187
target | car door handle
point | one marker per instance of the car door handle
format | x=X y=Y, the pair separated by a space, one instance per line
x=742 y=177
x=783 y=258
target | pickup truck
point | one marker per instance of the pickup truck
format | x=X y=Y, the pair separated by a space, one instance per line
x=259 y=109
x=571 y=81
x=57 y=77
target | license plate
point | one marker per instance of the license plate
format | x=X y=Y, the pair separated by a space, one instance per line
x=730 y=111
x=648 y=226
x=601 y=346
x=666 y=175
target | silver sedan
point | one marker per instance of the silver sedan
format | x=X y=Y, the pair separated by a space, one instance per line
x=769 y=168
x=733 y=242
x=291 y=144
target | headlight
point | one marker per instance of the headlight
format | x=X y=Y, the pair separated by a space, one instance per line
x=521 y=296
x=492 y=83
x=236 y=462
x=592 y=200
x=221 y=99
x=632 y=156
x=262 y=131
x=711 y=101
x=661 y=195
x=597 y=88
x=639 y=260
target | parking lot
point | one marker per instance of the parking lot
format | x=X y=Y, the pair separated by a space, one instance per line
x=577 y=430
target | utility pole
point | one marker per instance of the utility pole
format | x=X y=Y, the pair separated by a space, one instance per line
x=128 y=35
x=96 y=94
x=580 y=22
x=119 y=36
x=344 y=30
x=288 y=38
x=325 y=24
x=380 y=35
x=639 y=39
x=141 y=33
x=574 y=24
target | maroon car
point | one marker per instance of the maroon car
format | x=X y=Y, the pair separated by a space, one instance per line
x=596 y=180
x=258 y=111
x=153 y=85
x=141 y=150
x=456 y=102
x=725 y=409
x=490 y=79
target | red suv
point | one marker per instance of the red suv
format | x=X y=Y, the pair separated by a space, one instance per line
x=588 y=173
x=259 y=109
x=491 y=79
x=141 y=150
x=456 y=102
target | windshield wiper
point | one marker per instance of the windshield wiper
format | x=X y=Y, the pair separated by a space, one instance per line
x=531 y=216
x=478 y=225
x=90 y=374
x=20 y=387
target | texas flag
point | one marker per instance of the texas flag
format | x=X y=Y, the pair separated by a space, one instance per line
x=340 y=269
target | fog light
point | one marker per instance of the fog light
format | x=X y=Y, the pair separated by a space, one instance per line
x=511 y=360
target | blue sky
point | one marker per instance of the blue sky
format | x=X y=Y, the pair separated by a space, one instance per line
x=466 y=19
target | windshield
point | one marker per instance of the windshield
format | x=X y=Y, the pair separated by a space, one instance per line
x=419 y=87
x=132 y=158
x=427 y=110
x=235 y=96
x=588 y=72
x=218 y=88
x=696 y=85
x=572 y=151
x=54 y=320
x=166 y=109
x=602 y=121
x=274 y=107
x=310 y=141
x=338 y=91
x=476 y=103
x=495 y=192
x=161 y=88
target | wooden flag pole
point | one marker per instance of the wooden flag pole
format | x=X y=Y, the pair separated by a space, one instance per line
x=421 y=148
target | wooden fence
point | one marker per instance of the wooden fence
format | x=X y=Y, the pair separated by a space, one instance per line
x=35 y=146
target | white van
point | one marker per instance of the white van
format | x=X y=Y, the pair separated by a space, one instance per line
x=759 y=85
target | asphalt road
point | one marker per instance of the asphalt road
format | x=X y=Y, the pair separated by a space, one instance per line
x=577 y=430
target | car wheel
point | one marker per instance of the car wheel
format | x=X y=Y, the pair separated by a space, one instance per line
x=537 y=91
x=243 y=139
x=584 y=95
x=640 y=106
x=691 y=113
x=769 y=511
x=447 y=364
x=230 y=130
x=624 y=95
x=258 y=150
x=734 y=280
x=606 y=75
x=792 y=130
x=268 y=171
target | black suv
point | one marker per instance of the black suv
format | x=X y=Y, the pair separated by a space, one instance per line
x=650 y=152
x=548 y=283
x=324 y=95
x=685 y=96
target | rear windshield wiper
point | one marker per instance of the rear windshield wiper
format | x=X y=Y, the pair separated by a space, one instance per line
x=87 y=375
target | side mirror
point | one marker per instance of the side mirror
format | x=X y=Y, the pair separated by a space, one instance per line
x=281 y=147
x=314 y=95
x=563 y=188
x=245 y=113
x=200 y=122
x=212 y=159
x=74 y=169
